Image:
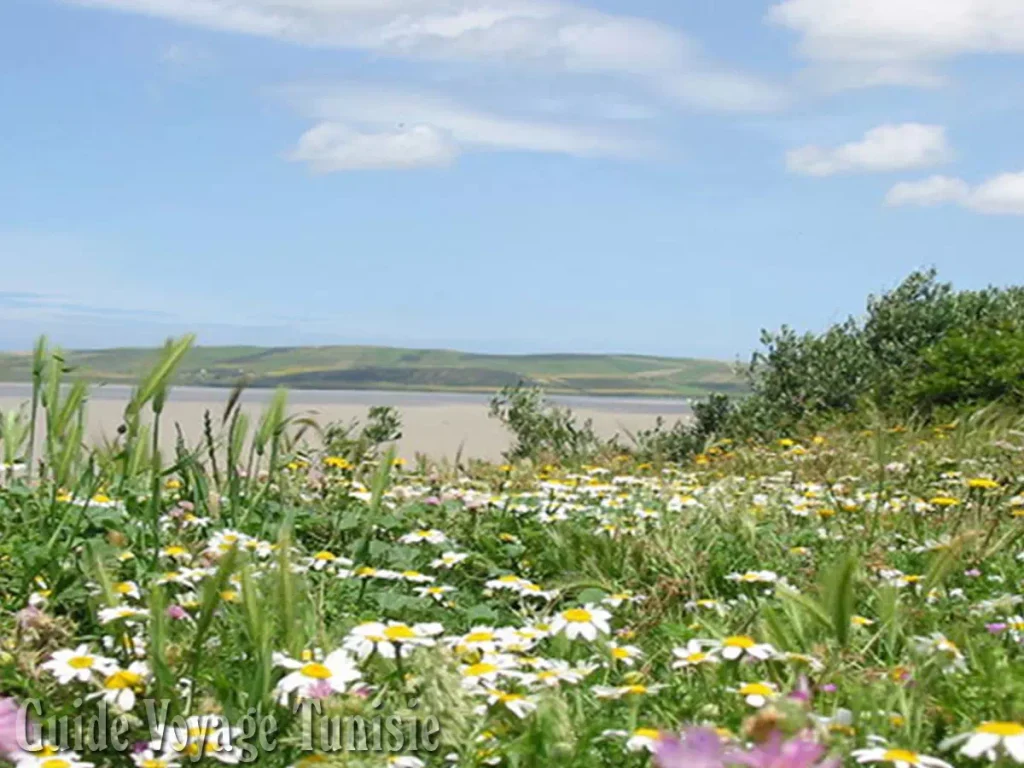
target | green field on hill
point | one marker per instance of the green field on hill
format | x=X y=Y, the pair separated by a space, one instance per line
x=359 y=367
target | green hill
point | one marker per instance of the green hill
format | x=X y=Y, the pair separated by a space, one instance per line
x=352 y=367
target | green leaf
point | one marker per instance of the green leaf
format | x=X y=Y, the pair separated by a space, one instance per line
x=591 y=595
x=840 y=585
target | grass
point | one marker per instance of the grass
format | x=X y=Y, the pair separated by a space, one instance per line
x=395 y=368
x=847 y=589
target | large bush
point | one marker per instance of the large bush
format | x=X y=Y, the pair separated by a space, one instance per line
x=919 y=347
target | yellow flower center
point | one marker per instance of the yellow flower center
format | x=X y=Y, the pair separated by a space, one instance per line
x=620 y=653
x=316 y=671
x=577 y=616
x=325 y=556
x=479 y=637
x=399 y=632
x=122 y=679
x=124 y=588
x=483 y=668
x=756 y=689
x=647 y=733
x=739 y=641
x=55 y=762
x=81 y=662
x=153 y=763
x=901 y=756
x=997 y=728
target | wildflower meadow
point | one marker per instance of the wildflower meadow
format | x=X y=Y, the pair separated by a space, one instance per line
x=835 y=596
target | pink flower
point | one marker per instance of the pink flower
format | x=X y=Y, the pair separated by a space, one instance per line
x=697 y=748
x=798 y=752
x=176 y=612
x=10 y=727
x=321 y=689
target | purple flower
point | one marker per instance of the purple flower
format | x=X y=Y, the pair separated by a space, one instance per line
x=697 y=748
x=176 y=612
x=798 y=752
x=828 y=688
x=996 y=627
x=432 y=501
x=972 y=573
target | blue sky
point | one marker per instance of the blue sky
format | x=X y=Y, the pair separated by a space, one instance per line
x=498 y=175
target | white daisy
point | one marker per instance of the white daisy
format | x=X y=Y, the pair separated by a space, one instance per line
x=757 y=694
x=737 y=646
x=694 y=654
x=585 y=622
x=901 y=758
x=448 y=560
x=49 y=757
x=990 y=739
x=78 y=664
x=516 y=703
x=428 y=535
x=390 y=639
x=120 y=686
x=625 y=654
x=308 y=679
x=436 y=592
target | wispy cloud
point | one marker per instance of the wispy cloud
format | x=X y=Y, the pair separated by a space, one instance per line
x=28 y=305
x=882 y=149
x=361 y=127
x=1000 y=195
x=546 y=34
x=860 y=43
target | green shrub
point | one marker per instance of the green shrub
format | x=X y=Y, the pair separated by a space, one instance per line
x=919 y=347
x=383 y=426
x=977 y=367
x=542 y=430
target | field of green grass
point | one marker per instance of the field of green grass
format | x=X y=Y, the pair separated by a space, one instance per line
x=358 y=367
x=821 y=600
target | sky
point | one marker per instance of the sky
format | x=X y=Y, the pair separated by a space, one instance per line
x=507 y=176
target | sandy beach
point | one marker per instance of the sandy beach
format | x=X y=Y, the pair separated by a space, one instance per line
x=437 y=424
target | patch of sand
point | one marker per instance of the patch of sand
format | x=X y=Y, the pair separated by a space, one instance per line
x=437 y=425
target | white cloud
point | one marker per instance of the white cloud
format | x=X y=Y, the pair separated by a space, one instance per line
x=885 y=148
x=330 y=147
x=1003 y=194
x=898 y=42
x=381 y=128
x=935 y=190
x=533 y=33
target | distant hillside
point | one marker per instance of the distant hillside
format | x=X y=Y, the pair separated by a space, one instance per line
x=395 y=368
